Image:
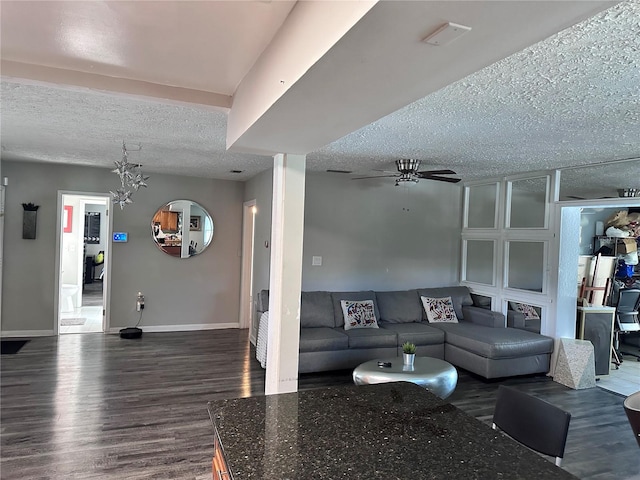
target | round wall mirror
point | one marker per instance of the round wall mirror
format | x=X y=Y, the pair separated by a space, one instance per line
x=182 y=228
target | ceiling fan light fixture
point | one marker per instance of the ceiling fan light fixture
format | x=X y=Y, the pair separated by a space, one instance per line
x=407 y=166
x=406 y=178
x=408 y=172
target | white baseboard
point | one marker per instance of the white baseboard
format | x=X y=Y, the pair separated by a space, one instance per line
x=180 y=328
x=27 y=333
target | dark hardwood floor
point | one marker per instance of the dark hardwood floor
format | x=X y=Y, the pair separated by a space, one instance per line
x=96 y=406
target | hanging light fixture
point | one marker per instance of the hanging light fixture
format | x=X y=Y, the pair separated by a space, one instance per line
x=131 y=178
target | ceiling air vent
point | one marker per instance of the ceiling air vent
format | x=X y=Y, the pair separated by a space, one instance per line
x=446 y=34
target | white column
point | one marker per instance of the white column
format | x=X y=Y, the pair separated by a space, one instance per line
x=287 y=228
x=563 y=321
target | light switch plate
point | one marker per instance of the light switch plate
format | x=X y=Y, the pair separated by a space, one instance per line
x=316 y=261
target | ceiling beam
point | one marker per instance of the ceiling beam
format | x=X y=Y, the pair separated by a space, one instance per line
x=309 y=32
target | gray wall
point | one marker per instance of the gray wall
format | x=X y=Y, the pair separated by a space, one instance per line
x=373 y=235
x=259 y=188
x=199 y=290
x=370 y=234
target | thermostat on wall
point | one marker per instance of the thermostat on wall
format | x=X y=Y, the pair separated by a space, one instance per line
x=120 y=237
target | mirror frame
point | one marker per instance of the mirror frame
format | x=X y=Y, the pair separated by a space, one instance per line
x=202 y=225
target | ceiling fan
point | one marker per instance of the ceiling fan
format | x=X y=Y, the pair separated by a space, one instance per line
x=408 y=172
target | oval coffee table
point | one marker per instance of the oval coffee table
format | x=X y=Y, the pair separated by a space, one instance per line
x=437 y=376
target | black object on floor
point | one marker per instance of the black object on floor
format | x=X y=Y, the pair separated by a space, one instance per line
x=11 y=346
x=131 y=332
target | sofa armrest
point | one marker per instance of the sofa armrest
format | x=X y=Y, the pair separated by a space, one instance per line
x=516 y=319
x=482 y=316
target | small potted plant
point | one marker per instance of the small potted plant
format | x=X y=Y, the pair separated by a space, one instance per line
x=408 y=353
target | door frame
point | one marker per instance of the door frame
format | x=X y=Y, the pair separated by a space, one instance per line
x=566 y=248
x=246 y=276
x=106 y=281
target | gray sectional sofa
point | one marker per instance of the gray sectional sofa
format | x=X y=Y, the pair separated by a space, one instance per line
x=480 y=342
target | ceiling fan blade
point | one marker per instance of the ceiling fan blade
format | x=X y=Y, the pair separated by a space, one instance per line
x=374 y=176
x=435 y=172
x=442 y=179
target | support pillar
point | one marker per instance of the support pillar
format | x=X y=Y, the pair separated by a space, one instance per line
x=285 y=281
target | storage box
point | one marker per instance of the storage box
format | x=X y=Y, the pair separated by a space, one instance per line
x=627 y=245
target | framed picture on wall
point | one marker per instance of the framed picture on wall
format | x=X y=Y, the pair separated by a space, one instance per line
x=195 y=223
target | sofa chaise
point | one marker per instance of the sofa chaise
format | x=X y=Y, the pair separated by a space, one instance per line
x=480 y=342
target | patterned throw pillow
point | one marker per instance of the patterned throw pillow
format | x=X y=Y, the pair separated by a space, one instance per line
x=439 y=309
x=358 y=314
x=528 y=311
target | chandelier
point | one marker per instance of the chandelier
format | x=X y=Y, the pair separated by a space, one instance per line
x=131 y=179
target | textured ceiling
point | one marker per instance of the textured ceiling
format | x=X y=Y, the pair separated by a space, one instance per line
x=573 y=99
x=569 y=100
x=86 y=127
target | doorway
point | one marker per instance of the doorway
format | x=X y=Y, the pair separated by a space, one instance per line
x=581 y=237
x=83 y=259
x=246 y=291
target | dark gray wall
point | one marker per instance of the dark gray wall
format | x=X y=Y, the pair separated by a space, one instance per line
x=200 y=290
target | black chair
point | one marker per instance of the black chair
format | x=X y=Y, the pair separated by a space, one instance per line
x=531 y=421
x=627 y=305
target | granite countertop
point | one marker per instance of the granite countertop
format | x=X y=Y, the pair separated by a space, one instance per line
x=391 y=431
